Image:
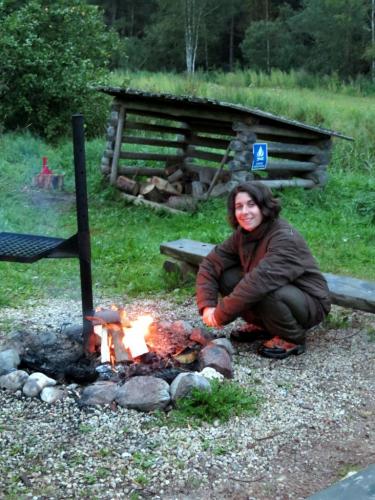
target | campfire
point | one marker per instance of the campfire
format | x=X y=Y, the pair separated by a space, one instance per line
x=127 y=348
x=120 y=339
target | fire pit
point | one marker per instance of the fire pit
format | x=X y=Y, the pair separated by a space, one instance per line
x=128 y=347
x=138 y=363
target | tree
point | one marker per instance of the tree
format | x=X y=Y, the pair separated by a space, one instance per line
x=51 y=53
x=193 y=11
x=336 y=32
x=273 y=43
x=369 y=54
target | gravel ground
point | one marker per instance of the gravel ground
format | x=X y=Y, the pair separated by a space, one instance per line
x=316 y=423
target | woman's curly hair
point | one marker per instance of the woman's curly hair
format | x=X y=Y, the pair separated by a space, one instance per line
x=260 y=194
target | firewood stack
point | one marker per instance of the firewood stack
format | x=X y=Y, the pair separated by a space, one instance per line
x=178 y=188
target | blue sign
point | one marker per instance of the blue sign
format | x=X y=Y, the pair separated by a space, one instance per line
x=260 y=156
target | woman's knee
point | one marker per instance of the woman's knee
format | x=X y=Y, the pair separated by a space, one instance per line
x=229 y=279
x=293 y=298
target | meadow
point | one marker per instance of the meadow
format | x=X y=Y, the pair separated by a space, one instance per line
x=337 y=221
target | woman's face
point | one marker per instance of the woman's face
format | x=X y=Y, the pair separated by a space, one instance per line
x=247 y=213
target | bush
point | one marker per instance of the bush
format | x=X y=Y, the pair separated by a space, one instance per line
x=53 y=53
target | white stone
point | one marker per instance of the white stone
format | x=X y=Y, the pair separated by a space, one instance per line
x=184 y=383
x=52 y=394
x=36 y=383
x=13 y=380
x=211 y=374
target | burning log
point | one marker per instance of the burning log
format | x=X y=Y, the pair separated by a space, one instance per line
x=105 y=347
x=120 y=351
x=121 y=339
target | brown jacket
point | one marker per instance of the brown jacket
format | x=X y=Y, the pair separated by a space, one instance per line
x=271 y=256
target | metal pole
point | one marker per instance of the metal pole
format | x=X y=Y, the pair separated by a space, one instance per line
x=83 y=235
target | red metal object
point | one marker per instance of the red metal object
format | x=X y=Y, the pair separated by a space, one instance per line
x=45 y=169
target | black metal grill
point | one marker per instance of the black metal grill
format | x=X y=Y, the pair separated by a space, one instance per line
x=29 y=248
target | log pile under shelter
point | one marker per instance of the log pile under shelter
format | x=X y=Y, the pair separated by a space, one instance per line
x=170 y=152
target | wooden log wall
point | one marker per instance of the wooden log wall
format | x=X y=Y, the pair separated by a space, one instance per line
x=152 y=141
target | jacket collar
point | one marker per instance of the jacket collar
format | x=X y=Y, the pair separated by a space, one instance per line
x=259 y=232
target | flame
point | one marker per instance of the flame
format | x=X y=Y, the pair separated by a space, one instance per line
x=134 y=338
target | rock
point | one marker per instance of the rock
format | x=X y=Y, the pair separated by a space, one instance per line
x=184 y=383
x=102 y=392
x=36 y=383
x=216 y=357
x=74 y=332
x=201 y=336
x=144 y=393
x=211 y=374
x=52 y=394
x=13 y=380
x=9 y=360
x=227 y=344
x=47 y=352
x=182 y=327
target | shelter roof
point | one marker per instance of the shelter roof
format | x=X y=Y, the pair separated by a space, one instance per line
x=221 y=110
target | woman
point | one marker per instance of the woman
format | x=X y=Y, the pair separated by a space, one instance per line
x=265 y=273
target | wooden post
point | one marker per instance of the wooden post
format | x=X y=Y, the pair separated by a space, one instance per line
x=218 y=172
x=105 y=166
x=118 y=141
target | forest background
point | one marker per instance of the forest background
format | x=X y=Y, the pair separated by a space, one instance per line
x=310 y=60
x=332 y=37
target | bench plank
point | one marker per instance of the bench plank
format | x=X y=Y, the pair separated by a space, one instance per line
x=344 y=291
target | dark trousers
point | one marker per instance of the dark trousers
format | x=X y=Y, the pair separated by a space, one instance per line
x=286 y=312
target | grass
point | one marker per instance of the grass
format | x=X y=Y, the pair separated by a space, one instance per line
x=337 y=221
x=224 y=401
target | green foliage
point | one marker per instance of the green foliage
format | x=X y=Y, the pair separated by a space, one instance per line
x=125 y=239
x=269 y=45
x=322 y=37
x=364 y=204
x=143 y=460
x=337 y=34
x=52 y=54
x=371 y=333
x=337 y=320
x=224 y=401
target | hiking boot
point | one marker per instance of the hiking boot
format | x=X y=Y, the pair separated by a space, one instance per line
x=279 y=348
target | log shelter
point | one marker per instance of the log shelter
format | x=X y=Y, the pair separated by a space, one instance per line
x=204 y=142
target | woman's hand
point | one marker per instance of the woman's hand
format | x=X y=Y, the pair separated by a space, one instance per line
x=209 y=317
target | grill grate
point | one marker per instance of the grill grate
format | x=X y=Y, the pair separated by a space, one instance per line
x=25 y=247
x=29 y=248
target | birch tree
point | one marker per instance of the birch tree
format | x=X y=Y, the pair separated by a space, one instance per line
x=193 y=11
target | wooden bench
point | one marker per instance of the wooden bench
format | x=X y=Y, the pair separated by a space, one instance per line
x=184 y=256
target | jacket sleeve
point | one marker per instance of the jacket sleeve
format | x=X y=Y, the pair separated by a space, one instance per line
x=222 y=257
x=282 y=263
